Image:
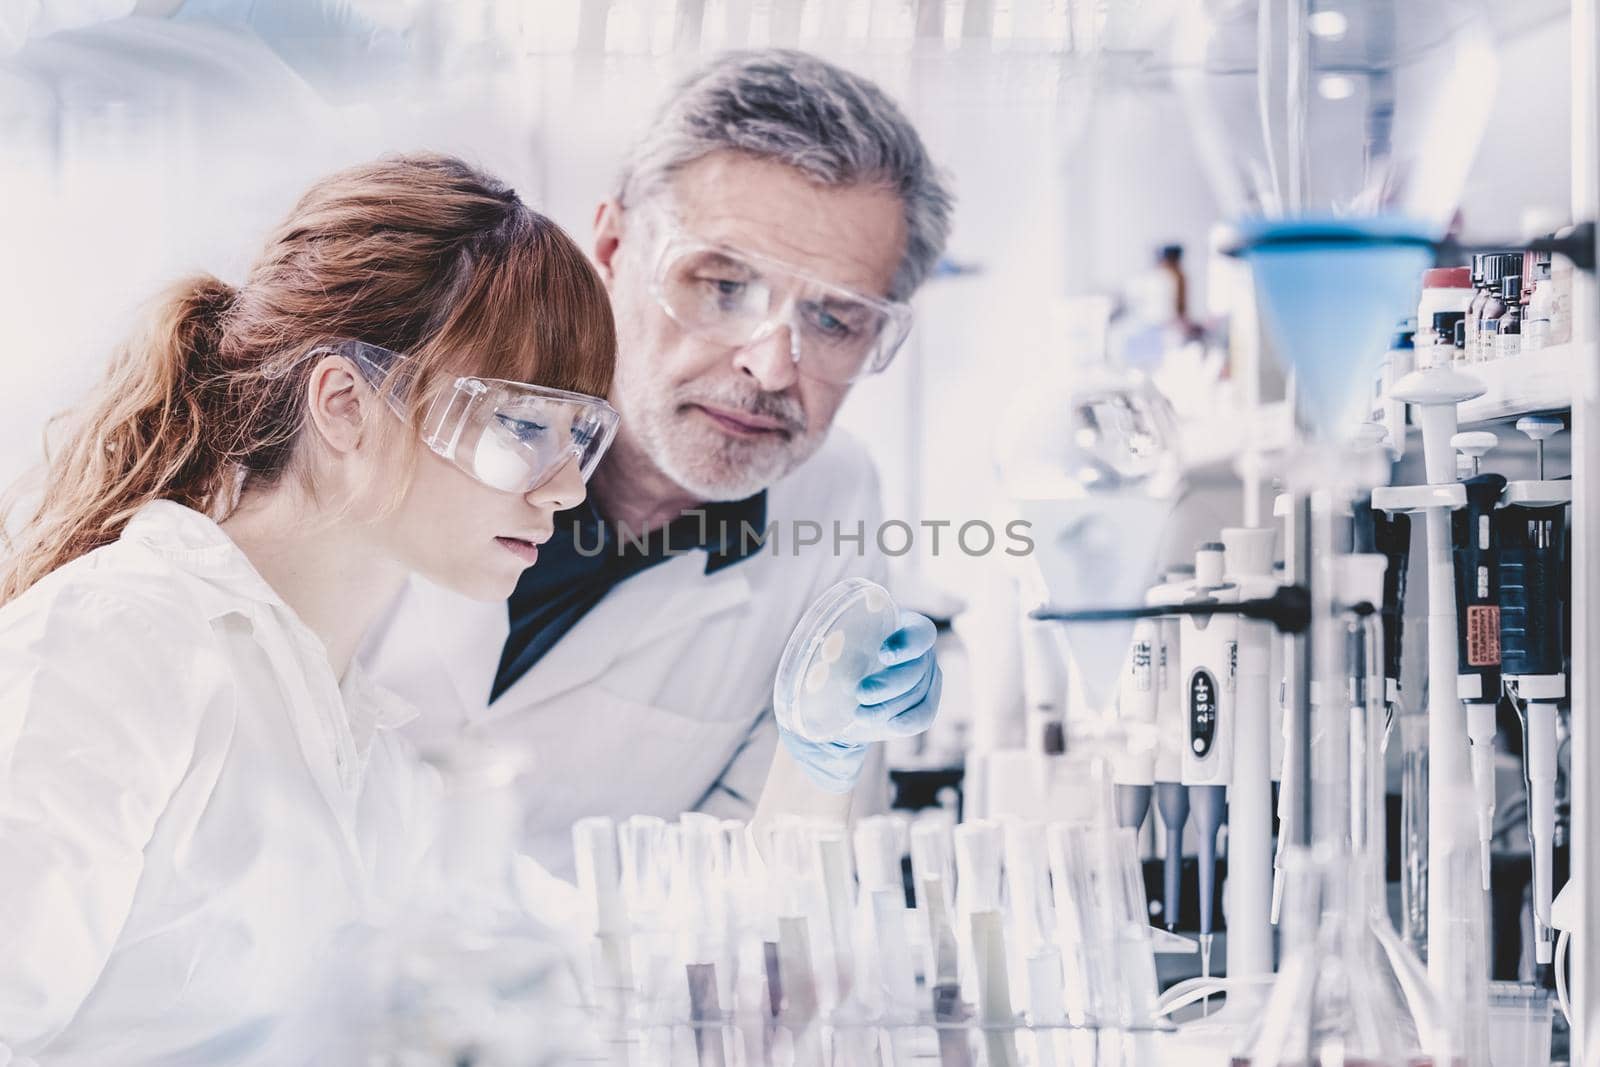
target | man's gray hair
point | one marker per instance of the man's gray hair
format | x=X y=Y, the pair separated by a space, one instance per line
x=834 y=126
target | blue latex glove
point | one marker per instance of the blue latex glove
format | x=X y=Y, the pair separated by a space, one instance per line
x=899 y=700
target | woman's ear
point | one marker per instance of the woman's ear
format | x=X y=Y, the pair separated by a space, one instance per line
x=338 y=401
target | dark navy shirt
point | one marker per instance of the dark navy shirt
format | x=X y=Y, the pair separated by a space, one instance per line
x=586 y=556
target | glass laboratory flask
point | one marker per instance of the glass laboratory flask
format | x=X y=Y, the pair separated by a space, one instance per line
x=1350 y=990
x=469 y=974
x=1093 y=465
x=1332 y=1003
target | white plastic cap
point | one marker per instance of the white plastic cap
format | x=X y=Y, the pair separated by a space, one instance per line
x=1436 y=386
x=1208 y=564
x=1541 y=427
x=1360 y=578
x=1474 y=443
x=1248 y=551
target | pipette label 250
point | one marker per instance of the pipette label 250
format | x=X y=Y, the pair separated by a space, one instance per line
x=1202 y=711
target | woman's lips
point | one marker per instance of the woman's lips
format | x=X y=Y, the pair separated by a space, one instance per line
x=526 y=551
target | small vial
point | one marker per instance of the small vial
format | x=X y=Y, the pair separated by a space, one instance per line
x=1539 y=305
x=1508 y=339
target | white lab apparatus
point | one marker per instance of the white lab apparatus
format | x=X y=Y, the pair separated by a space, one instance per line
x=1209 y=654
x=1133 y=767
x=1247 y=563
x=1433 y=395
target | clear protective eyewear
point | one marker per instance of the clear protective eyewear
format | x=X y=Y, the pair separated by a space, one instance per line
x=510 y=436
x=738 y=298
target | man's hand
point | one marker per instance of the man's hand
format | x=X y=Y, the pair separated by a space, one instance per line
x=898 y=700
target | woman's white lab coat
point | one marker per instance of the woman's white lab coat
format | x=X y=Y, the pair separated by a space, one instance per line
x=193 y=808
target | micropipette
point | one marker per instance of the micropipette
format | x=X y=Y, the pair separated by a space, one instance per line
x=1478 y=628
x=1133 y=770
x=1531 y=528
x=1209 y=653
x=1172 y=799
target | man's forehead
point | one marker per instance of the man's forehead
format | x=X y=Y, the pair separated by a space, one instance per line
x=852 y=236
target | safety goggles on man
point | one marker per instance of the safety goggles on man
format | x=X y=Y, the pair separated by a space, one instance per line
x=738 y=298
x=508 y=435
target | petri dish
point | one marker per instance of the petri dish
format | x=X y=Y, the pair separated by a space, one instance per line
x=833 y=647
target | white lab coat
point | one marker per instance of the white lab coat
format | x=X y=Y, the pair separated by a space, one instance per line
x=192 y=807
x=659 y=700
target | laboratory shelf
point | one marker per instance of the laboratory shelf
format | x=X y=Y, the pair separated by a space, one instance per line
x=1525 y=385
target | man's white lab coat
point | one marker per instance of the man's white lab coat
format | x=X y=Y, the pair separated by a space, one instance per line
x=659 y=700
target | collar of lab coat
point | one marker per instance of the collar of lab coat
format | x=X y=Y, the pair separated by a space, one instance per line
x=666 y=598
x=197 y=545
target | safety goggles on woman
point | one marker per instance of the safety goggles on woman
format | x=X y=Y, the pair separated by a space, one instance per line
x=508 y=435
x=737 y=298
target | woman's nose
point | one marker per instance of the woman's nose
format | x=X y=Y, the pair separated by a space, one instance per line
x=562 y=490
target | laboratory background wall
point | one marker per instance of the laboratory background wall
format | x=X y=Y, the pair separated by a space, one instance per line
x=136 y=150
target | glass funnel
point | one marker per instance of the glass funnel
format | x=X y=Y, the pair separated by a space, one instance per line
x=1093 y=466
x=1337 y=134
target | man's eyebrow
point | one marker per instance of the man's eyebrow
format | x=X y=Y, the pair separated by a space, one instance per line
x=841 y=303
x=720 y=258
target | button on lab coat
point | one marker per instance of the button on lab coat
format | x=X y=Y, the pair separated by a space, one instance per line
x=659 y=700
x=193 y=809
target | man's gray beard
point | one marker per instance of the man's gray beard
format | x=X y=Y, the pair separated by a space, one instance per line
x=733 y=470
x=729 y=469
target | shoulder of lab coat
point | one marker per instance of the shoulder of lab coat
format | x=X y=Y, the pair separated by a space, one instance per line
x=88 y=761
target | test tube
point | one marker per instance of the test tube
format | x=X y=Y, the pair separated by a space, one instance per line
x=644 y=873
x=833 y=856
x=886 y=969
x=1027 y=880
x=932 y=856
x=949 y=1012
x=701 y=907
x=753 y=929
x=994 y=989
x=897 y=977
x=933 y=853
x=979 y=848
x=800 y=1005
x=1136 y=955
x=1084 y=966
x=1046 y=1001
x=880 y=846
x=599 y=874
x=706 y=1014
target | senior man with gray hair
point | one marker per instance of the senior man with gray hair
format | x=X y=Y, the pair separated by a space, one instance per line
x=759 y=247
